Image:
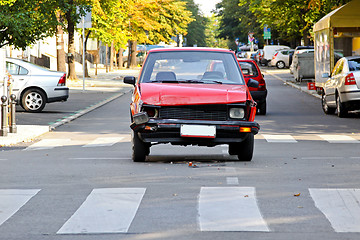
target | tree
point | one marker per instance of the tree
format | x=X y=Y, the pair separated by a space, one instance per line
x=72 y=11
x=196 y=29
x=23 y=22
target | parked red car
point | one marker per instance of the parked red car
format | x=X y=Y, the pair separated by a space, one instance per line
x=251 y=70
x=192 y=96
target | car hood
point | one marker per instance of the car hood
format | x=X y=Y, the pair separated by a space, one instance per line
x=166 y=94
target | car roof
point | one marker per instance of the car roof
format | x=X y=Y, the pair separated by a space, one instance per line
x=352 y=57
x=184 y=49
x=245 y=60
x=304 y=47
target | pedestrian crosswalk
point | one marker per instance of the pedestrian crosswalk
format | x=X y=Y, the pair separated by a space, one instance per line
x=270 y=138
x=219 y=209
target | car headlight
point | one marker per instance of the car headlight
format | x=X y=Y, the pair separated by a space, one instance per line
x=237 y=113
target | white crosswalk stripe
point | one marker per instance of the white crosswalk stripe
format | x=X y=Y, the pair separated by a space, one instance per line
x=279 y=138
x=104 y=142
x=11 y=200
x=271 y=138
x=340 y=206
x=339 y=139
x=230 y=209
x=47 y=144
x=101 y=210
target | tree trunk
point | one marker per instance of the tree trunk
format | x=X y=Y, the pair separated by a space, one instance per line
x=60 y=53
x=112 y=49
x=106 y=58
x=129 y=54
x=86 y=66
x=71 y=46
x=120 y=59
x=133 y=54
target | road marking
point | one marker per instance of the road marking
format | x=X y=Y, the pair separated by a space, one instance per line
x=279 y=138
x=104 y=142
x=99 y=158
x=321 y=158
x=47 y=144
x=229 y=209
x=105 y=210
x=340 y=206
x=338 y=139
x=232 y=181
x=11 y=200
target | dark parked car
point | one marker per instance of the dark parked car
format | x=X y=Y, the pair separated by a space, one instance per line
x=192 y=96
x=252 y=71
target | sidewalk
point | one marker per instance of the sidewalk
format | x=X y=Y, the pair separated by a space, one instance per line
x=285 y=76
x=102 y=81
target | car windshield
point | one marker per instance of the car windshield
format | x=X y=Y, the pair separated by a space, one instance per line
x=354 y=64
x=208 y=67
x=249 y=69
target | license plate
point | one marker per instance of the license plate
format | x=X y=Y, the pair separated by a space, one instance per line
x=203 y=131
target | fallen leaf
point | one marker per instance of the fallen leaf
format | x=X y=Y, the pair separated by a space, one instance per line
x=246 y=196
x=297 y=195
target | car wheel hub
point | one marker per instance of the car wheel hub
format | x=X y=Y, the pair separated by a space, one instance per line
x=33 y=101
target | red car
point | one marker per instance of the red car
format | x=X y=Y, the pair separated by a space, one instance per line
x=192 y=96
x=251 y=70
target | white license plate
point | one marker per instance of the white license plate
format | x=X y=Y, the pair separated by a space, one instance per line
x=198 y=131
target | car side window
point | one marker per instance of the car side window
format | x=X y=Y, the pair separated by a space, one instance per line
x=338 y=68
x=23 y=71
x=12 y=68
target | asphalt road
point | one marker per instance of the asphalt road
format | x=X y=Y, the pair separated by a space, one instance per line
x=79 y=182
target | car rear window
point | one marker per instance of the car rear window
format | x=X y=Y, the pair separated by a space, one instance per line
x=354 y=64
x=249 y=69
x=192 y=67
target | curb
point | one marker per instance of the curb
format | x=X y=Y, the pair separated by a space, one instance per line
x=80 y=113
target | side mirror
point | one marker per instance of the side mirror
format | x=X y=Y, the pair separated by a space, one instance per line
x=253 y=83
x=325 y=75
x=130 y=80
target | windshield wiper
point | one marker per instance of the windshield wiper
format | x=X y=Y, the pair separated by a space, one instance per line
x=201 y=81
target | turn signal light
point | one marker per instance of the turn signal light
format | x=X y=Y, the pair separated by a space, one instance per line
x=245 y=129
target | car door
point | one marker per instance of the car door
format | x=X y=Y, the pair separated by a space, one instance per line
x=334 y=81
x=20 y=75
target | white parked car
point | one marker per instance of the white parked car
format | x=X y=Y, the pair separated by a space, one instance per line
x=281 y=58
x=269 y=51
x=342 y=90
x=34 y=86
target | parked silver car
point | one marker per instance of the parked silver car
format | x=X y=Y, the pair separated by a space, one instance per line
x=34 y=86
x=281 y=58
x=342 y=90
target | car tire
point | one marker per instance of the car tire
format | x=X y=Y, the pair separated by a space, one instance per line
x=243 y=150
x=33 y=100
x=139 y=149
x=280 y=64
x=262 y=108
x=340 y=107
x=325 y=107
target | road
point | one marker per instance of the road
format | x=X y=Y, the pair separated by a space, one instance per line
x=79 y=182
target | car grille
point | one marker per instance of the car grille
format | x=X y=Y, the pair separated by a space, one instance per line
x=198 y=112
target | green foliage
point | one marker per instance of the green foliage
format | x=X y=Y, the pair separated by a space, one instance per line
x=22 y=22
x=289 y=20
x=196 y=29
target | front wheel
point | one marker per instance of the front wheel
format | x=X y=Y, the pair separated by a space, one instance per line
x=280 y=64
x=325 y=107
x=262 y=108
x=33 y=100
x=340 y=107
x=139 y=149
x=243 y=150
